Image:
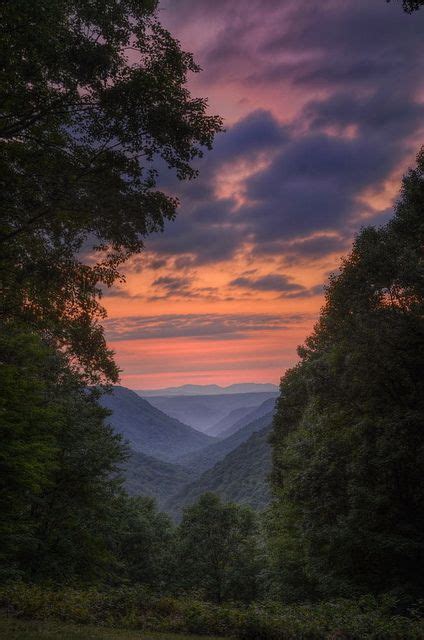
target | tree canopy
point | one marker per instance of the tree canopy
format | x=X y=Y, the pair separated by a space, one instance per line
x=348 y=439
x=218 y=552
x=93 y=103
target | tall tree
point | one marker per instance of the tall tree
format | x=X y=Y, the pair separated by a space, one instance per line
x=146 y=544
x=93 y=102
x=60 y=490
x=30 y=419
x=348 y=439
x=219 y=550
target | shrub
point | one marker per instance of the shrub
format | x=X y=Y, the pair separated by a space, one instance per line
x=366 y=618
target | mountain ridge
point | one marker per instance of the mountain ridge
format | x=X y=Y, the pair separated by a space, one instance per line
x=203 y=412
x=208 y=389
x=148 y=429
x=200 y=461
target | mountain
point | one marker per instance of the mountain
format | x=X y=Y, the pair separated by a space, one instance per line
x=208 y=389
x=242 y=477
x=204 y=412
x=202 y=460
x=149 y=476
x=148 y=430
x=266 y=407
x=229 y=420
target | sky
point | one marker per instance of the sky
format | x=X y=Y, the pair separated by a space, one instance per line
x=322 y=114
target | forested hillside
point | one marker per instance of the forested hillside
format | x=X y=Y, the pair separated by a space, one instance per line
x=267 y=407
x=348 y=442
x=154 y=478
x=241 y=477
x=207 y=457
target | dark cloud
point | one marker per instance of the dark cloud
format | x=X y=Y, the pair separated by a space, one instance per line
x=202 y=326
x=169 y=287
x=276 y=283
x=173 y=285
x=356 y=64
x=313 y=185
x=258 y=131
x=270 y=282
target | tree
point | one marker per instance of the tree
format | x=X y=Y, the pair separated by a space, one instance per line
x=219 y=550
x=77 y=515
x=93 y=103
x=29 y=421
x=61 y=493
x=348 y=443
x=409 y=6
x=146 y=544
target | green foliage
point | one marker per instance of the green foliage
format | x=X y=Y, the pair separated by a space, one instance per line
x=241 y=477
x=14 y=629
x=219 y=554
x=59 y=462
x=30 y=418
x=146 y=544
x=364 y=619
x=348 y=439
x=93 y=102
x=149 y=476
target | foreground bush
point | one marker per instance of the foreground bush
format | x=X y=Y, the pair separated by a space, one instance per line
x=363 y=619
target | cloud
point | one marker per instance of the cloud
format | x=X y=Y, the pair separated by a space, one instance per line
x=177 y=287
x=277 y=283
x=270 y=282
x=357 y=120
x=173 y=285
x=201 y=326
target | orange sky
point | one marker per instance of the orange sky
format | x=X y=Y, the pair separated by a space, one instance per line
x=230 y=289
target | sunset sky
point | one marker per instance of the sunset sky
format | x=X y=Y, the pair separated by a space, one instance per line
x=323 y=114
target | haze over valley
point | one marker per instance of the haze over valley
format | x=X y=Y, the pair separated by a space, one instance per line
x=221 y=447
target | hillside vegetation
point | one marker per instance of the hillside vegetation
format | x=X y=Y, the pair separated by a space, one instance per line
x=241 y=477
x=207 y=457
x=148 y=476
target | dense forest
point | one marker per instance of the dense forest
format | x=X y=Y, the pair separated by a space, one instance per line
x=326 y=537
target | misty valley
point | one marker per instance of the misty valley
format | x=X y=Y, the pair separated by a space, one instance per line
x=175 y=463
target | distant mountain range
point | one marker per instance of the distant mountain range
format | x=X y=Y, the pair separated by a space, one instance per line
x=206 y=413
x=149 y=430
x=208 y=389
x=175 y=463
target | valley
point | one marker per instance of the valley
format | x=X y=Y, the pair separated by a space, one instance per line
x=174 y=463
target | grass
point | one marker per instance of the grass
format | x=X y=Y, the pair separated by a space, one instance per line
x=13 y=629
